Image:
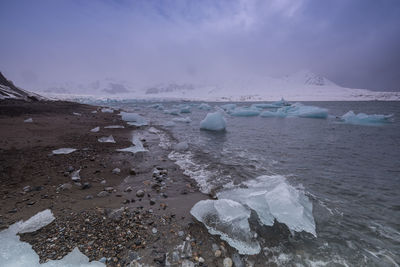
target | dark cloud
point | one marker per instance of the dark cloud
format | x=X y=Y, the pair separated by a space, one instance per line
x=355 y=43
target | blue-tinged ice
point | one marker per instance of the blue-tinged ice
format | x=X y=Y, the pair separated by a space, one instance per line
x=114 y=127
x=272 y=197
x=245 y=112
x=277 y=104
x=106 y=139
x=28 y=120
x=185 y=120
x=157 y=106
x=169 y=124
x=133 y=119
x=137 y=146
x=107 y=110
x=14 y=252
x=229 y=220
x=297 y=110
x=365 y=119
x=172 y=111
x=95 y=129
x=213 y=122
x=185 y=109
x=204 y=106
x=63 y=151
x=228 y=107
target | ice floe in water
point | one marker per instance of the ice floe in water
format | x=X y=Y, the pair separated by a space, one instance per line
x=365 y=119
x=106 y=139
x=185 y=109
x=185 y=120
x=63 y=151
x=297 y=110
x=245 y=112
x=135 y=148
x=228 y=107
x=107 y=110
x=228 y=219
x=270 y=197
x=114 y=127
x=95 y=129
x=14 y=252
x=213 y=122
x=133 y=119
x=172 y=111
x=204 y=106
x=28 y=120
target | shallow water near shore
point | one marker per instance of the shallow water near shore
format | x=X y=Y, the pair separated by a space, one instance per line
x=350 y=173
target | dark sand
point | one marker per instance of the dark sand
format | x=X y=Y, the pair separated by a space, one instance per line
x=118 y=226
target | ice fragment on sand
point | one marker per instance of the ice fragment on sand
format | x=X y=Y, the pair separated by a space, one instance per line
x=172 y=111
x=63 y=151
x=106 y=139
x=185 y=109
x=94 y=112
x=137 y=146
x=75 y=176
x=204 y=106
x=185 y=120
x=76 y=114
x=107 y=110
x=297 y=110
x=133 y=119
x=36 y=222
x=245 y=112
x=95 y=130
x=28 y=120
x=229 y=219
x=114 y=127
x=213 y=122
x=365 y=119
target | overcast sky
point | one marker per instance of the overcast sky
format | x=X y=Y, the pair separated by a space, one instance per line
x=355 y=43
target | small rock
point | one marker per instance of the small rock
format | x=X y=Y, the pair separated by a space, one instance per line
x=109 y=189
x=132 y=171
x=103 y=182
x=66 y=186
x=154 y=230
x=140 y=193
x=217 y=253
x=116 y=171
x=27 y=188
x=14 y=210
x=88 y=197
x=128 y=189
x=214 y=247
x=201 y=260
x=30 y=203
x=126 y=201
x=103 y=194
x=181 y=233
x=164 y=195
x=70 y=169
x=86 y=185
x=152 y=201
x=227 y=262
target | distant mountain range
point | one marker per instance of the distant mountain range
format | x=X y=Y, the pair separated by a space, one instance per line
x=301 y=86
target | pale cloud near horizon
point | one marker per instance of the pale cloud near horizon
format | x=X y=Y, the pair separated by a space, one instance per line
x=354 y=43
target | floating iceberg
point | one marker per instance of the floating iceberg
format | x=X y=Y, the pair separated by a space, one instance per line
x=270 y=197
x=114 y=127
x=169 y=124
x=63 y=151
x=277 y=104
x=185 y=109
x=245 y=112
x=185 y=120
x=28 y=120
x=297 y=110
x=213 y=122
x=106 y=139
x=107 y=110
x=137 y=146
x=172 y=111
x=95 y=129
x=229 y=219
x=14 y=252
x=204 y=106
x=133 y=119
x=365 y=119
x=228 y=107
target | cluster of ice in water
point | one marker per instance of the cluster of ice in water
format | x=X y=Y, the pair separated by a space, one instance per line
x=133 y=119
x=106 y=139
x=14 y=252
x=297 y=110
x=271 y=197
x=172 y=111
x=185 y=120
x=245 y=112
x=157 y=106
x=228 y=107
x=365 y=119
x=204 y=106
x=63 y=151
x=135 y=148
x=213 y=122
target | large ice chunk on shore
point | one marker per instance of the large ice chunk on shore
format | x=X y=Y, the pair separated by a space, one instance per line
x=137 y=146
x=14 y=252
x=107 y=110
x=365 y=119
x=95 y=129
x=229 y=219
x=245 y=112
x=133 y=119
x=297 y=110
x=63 y=151
x=213 y=122
x=106 y=139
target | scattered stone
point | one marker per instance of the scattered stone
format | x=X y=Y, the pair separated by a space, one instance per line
x=214 y=247
x=164 y=195
x=66 y=186
x=103 y=194
x=181 y=233
x=70 y=169
x=103 y=182
x=227 y=262
x=86 y=185
x=128 y=189
x=201 y=260
x=30 y=203
x=88 y=197
x=152 y=201
x=132 y=171
x=14 y=210
x=140 y=193
x=217 y=253
x=154 y=230
x=126 y=201
x=109 y=189
x=27 y=189
x=116 y=171
x=187 y=263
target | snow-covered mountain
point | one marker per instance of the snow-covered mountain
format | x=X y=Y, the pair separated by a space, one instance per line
x=301 y=86
x=9 y=91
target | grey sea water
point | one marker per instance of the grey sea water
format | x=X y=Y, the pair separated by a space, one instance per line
x=351 y=174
